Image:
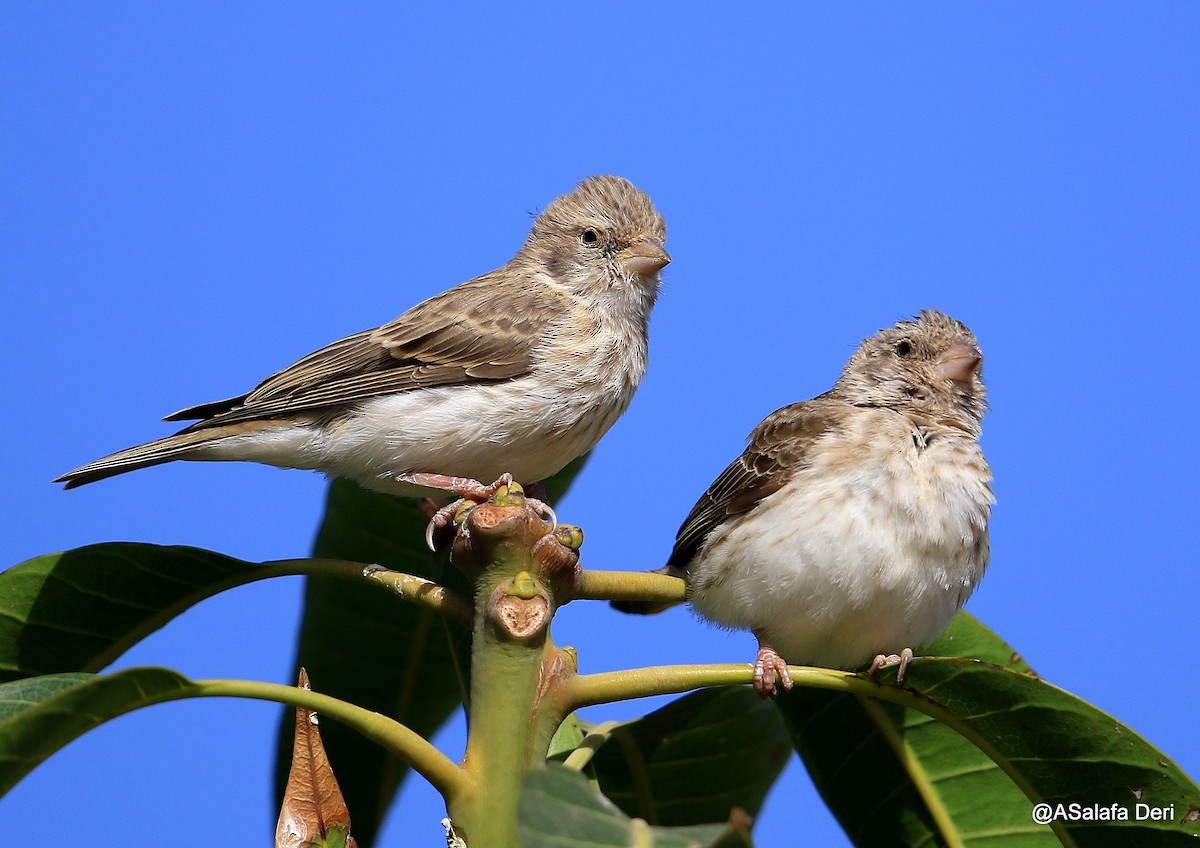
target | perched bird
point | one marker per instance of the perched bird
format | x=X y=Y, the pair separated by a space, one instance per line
x=516 y=372
x=854 y=524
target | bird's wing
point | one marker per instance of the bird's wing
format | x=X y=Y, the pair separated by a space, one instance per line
x=476 y=332
x=776 y=450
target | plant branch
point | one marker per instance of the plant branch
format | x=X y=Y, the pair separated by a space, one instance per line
x=589 y=745
x=588 y=690
x=409 y=746
x=417 y=590
x=518 y=563
x=629 y=586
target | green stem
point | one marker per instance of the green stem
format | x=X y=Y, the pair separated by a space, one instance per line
x=406 y=744
x=589 y=745
x=629 y=586
x=417 y=590
x=588 y=690
x=505 y=673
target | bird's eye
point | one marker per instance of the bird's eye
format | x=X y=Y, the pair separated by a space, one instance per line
x=589 y=236
x=903 y=348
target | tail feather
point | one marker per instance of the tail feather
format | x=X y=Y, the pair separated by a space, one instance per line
x=182 y=445
x=201 y=411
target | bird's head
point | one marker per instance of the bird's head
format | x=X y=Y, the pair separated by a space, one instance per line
x=930 y=366
x=605 y=234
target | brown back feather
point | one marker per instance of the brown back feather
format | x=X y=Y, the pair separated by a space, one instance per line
x=775 y=452
x=474 y=332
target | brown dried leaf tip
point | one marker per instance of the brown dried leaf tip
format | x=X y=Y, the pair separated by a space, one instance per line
x=314 y=814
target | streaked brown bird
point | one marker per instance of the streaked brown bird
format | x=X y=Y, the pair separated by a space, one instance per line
x=855 y=524
x=516 y=372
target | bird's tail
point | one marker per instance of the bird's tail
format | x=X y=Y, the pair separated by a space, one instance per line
x=182 y=445
x=647 y=607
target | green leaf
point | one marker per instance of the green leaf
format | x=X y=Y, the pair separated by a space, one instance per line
x=566 y=738
x=79 y=610
x=39 y=715
x=849 y=746
x=335 y=837
x=696 y=759
x=559 y=809
x=896 y=776
x=967 y=637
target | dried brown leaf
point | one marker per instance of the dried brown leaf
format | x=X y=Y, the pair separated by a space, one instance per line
x=313 y=812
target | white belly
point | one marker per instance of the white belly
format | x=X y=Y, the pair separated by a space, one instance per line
x=870 y=550
x=526 y=427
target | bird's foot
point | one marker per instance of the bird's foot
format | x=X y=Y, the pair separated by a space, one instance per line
x=470 y=492
x=904 y=658
x=464 y=487
x=767 y=666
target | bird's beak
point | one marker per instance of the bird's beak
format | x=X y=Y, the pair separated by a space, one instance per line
x=958 y=362
x=645 y=257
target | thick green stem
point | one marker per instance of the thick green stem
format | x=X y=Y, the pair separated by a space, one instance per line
x=559 y=666
x=504 y=545
x=504 y=679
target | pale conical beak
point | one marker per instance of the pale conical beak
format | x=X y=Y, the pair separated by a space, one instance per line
x=645 y=257
x=958 y=362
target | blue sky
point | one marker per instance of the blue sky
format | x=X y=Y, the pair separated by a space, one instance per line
x=196 y=195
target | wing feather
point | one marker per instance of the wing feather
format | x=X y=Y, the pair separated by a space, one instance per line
x=485 y=330
x=776 y=450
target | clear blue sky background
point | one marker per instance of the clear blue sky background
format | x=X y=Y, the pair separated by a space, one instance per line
x=196 y=195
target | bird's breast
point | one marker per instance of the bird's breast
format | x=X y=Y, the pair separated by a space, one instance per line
x=870 y=547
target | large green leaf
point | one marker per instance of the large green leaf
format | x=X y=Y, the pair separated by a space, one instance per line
x=39 y=715
x=359 y=645
x=895 y=776
x=79 y=610
x=560 y=809
x=695 y=759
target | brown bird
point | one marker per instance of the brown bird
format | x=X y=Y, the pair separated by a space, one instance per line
x=516 y=372
x=855 y=524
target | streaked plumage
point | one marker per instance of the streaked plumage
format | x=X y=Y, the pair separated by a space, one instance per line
x=854 y=524
x=520 y=370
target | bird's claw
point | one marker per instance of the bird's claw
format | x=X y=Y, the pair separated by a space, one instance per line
x=768 y=665
x=544 y=510
x=904 y=658
x=444 y=517
x=470 y=492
